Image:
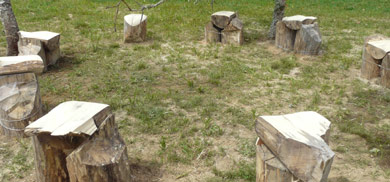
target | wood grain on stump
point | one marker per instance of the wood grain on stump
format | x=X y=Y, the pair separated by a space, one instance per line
x=385 y=71
x=308 y=40
x=295 y=139
x=212 y=33
x=20 y=103
x=21 y=64
x=284 y=37
x=370 y=66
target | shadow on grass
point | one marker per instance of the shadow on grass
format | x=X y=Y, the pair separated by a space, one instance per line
x=145 y=171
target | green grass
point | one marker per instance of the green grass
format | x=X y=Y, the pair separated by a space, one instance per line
x=190 y=103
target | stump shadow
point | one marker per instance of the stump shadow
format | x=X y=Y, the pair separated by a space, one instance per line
x=145 y=171
x=338 y=179
x=65 y=62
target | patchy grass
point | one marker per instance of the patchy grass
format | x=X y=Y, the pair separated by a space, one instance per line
x=187 y=108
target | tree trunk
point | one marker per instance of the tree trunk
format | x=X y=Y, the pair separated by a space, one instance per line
x=10 y=27
x=280 y=5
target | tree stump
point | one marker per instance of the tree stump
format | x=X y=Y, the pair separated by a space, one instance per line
x=225 y=27
x=298 y=33
x=50 y=45
x=308 y=40
x=135 y=28
x=299 y=141
x=73 y=137
x=20 y=100
x=375 y=62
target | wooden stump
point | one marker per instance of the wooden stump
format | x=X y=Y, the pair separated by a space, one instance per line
x=76 y=137
x=103 y=158
x=285 y=37
x=50 y=43
x=212 y=33
x=370 y=65
x=221 y=19
x=135 y=28
x=232 y=33
x=308 y=40
x=21 y=64
x=20 y=103
x=385 y=71
x=225 y=27
x=298 y=141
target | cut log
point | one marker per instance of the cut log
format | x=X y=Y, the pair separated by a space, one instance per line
x=285 y=37
x=20 y=103
x=50 y=41
x=212 y=34
x=21 y=64
x=308 y=40
x=60 y=132
x=103 y=158
x=296 y=22
x=296 y=140
x=222 y=19
x=232 y=34
x=385 y=71
x=135 y=28
x=378 y=49
x=370 y=66
x=269 y=168
x=235 y=24
x=32 y=47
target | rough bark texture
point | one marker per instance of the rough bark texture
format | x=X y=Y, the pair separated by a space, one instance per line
x=278 y=15
x=385 y=71
x=21 y=64
x=285 y=37
x=370 y=66
x=135 y=28
x=296 y=141
x=103 y=158
x=10 y=27
x=308 y=40
x=20 y=103
x=212 y=34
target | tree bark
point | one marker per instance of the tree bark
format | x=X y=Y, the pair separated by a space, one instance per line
x=10 y=25
x=280 y=5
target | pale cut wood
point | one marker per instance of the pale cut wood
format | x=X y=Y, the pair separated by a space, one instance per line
x=50 y=41
x=308 y=40
x=57 y=134
x=385 y=71
x=296 y=140
x=379 y=48
x=269 y=168
x=285 y=37
x=32 y=47
x=212 y=34
x=59 y=121
x=103 y=158
x=222 y=18
x=370 y=66
x=21 y=64
x=296 y=22
x=135 y=28
x=20 y=103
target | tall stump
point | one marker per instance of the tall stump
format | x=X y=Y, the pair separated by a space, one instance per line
x=135 y=28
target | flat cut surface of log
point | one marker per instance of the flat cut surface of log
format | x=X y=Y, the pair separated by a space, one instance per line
x=222 y=18
x=21 y=64
x=378 y=49
x=20 y=103
x=44 y=36
x=285 y=37
x=71 y=117
x=32 y=47
x=135 y=27
x=296 y=22
x=308 y=40
x=296 y=140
